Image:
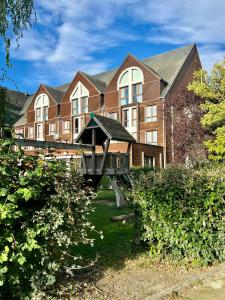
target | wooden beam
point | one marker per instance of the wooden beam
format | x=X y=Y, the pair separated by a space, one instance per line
x=45 y=144
x=93 y=150
x=106 y=148
x=84 y=163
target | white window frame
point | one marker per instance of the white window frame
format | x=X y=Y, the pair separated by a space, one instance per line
x=41 y=138
x=19 y=132
x=82 y=92
x=151 y=142
x=80 y=125
x=51 y=132
x=152 y=117
x=30 y=129
x=130 y=83
x=150 y=157
x=66 y=130
x=130 y=128
x=112 y=115
x=41 y=102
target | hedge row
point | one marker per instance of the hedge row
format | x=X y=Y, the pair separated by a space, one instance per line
x=181 y=212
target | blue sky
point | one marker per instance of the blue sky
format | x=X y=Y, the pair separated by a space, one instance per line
x=96 y=35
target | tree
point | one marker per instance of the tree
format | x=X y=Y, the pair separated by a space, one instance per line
x=211 y=87
x=185 y=134
x=15 y=17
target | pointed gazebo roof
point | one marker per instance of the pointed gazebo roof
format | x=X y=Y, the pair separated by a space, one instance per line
x=106 y=128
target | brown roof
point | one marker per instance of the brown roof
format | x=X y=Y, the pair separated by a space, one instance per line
x=106 y=128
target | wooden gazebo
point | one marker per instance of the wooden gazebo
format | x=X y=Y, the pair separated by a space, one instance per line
x=100 y=131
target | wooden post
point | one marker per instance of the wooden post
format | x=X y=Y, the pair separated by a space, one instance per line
x=93 y=150
x=106 y=148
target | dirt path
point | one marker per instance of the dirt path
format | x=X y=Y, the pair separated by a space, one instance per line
x=136 y=281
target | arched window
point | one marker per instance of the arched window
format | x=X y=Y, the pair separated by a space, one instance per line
x=130 y=86
x=41 y=108
x=79 y=99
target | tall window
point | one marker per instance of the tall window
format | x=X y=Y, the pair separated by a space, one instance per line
x=79 y=99
x=30 y=132
x=129 y=120
x=151 y=113
x=66 y=127
x=41 y=108
x=152 y=137
x=130 y=86
x=40 y=132
x=52 y=128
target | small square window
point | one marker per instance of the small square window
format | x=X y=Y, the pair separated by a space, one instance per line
x=152 y=137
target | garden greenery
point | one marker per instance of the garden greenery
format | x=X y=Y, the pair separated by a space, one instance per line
x=43 y=213
x=181 y=212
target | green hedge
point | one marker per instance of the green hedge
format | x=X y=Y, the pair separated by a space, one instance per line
x=44 y=211
x=181 y=212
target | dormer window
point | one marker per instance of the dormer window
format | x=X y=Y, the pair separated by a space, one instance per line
x=79 y=99
x=130 y=86
x=41 y=108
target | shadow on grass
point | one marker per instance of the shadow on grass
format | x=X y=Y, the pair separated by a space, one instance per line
x=117 y=245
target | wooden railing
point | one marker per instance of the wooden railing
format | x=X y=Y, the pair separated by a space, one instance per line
x=115 y=163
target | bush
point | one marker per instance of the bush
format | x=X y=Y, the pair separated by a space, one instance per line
x=181 y=212
x=42 y=214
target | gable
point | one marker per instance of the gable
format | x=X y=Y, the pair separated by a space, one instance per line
x=85 y=82
x=130 y=61
x=41 y=90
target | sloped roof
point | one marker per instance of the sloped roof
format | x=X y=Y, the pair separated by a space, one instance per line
x=55 y=92
x=168 y=64
x=23 y=116
x=110 y=128
x=100 y=85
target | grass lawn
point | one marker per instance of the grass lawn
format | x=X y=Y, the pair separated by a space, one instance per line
x=116 y=245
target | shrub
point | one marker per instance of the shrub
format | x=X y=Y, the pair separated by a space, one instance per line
x=42 y=214
x=181 y=212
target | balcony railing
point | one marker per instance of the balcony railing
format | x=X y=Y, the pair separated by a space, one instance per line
x=115 y=164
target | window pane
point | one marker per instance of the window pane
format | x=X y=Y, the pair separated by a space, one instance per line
x=126 y=121
x=75 y=107
x=137 y=92
x=76 y=125
x=124 y=95
x=66 y=126
x=38 y=114
x=84 y=104
x=125 y=79
x=112 y=115
x=136 y=75
x=151 y=113
x=45 y=113
x=52 y=128
x=75 y=94
x=149 y=161
x=152 y=137
x=134 y=117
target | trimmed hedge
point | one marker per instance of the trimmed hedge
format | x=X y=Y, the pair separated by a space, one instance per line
x=181 y=212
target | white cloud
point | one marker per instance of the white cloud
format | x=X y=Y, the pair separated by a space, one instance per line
x=70 y=34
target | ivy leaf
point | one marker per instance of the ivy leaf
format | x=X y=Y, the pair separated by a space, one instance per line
x=3 y=192
x=25 y=193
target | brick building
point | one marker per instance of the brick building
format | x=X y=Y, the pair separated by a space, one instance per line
x=134 y=94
